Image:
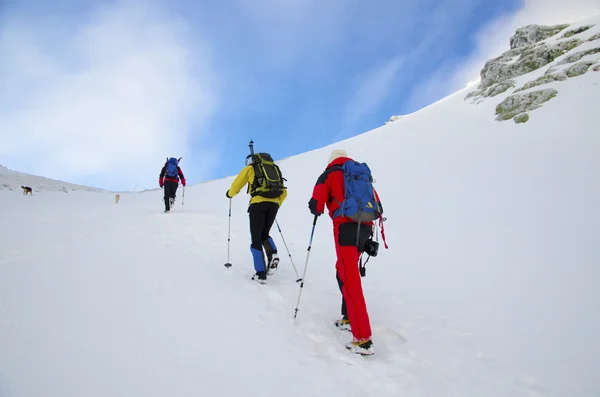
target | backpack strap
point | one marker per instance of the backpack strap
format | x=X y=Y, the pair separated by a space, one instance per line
x=339 y=168
x=258 y=174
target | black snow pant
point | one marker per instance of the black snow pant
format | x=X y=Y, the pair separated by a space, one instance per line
x=170 y=188
x=262 y=216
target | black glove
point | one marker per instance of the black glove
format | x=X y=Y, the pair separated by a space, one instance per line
x=312 y=206
x=227 y=194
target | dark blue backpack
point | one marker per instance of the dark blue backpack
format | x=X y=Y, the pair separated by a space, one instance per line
x=359 y=203
x=171 y=169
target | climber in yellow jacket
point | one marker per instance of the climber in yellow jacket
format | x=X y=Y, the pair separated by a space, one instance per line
x=267 y=191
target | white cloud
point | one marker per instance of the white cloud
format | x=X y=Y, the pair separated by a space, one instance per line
x=431 y=31
x=105 y=99
x=286 y=32
x=493 y=39
x=372 y=88
x=556 y=11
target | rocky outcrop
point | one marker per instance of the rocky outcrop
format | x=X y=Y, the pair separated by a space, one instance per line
x=531 y=51
x=532 y=34
x=578 y=69
x=546 y=79
x=579 y=30
x=494 y=90
x=394 y=118
x=521 y=118
x=578 y=55
x=530 y=59
x=521 y=103
x=499 y=88
x=552 y=75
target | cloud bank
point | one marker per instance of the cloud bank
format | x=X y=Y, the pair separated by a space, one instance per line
x=103 y=98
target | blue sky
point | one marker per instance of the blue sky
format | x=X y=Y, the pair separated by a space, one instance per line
x=99 y=92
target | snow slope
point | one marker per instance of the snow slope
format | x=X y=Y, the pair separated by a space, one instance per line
x=13 y=180
x=489 y=287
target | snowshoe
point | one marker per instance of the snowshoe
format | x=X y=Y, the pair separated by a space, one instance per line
x=364 y=347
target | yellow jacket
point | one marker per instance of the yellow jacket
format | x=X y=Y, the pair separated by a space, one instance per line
x=246 y=177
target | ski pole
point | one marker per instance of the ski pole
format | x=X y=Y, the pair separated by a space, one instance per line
x=288 y=251
x=306 y=264
x=182 y=198
x=228 y=264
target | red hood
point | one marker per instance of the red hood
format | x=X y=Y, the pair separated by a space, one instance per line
x=339 y=161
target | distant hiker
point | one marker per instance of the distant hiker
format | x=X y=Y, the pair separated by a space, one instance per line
x=343 y=187
x=266 y=187
x=169 y=178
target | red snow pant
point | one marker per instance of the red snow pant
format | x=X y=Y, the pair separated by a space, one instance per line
x=348 y=252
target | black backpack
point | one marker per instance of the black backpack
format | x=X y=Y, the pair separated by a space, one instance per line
x=268 y=180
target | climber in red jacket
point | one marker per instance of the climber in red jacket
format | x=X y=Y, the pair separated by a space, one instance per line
x=169 y=178
x=350 y=240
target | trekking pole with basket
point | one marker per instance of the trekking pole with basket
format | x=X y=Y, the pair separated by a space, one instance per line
x=288 y=251
x=228 y=264
x=306 y=264
x=182 y=198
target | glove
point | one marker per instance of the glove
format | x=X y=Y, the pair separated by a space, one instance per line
x=183 y=182
x=312 y=206
x=160 y=183
x=227 y=194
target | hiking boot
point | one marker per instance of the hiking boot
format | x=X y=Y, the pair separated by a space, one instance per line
x=363 y=347
x=260 y=277
x=273 y=263
x=343 y=324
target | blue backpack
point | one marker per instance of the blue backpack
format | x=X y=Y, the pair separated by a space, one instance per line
x=171 y=169
x=359 y=203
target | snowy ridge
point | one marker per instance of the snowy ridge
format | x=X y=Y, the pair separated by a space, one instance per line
x=13 y=180
x=489 y=287
x=394 y=118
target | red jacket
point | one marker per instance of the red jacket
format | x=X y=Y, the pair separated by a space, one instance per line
x=329 y=190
